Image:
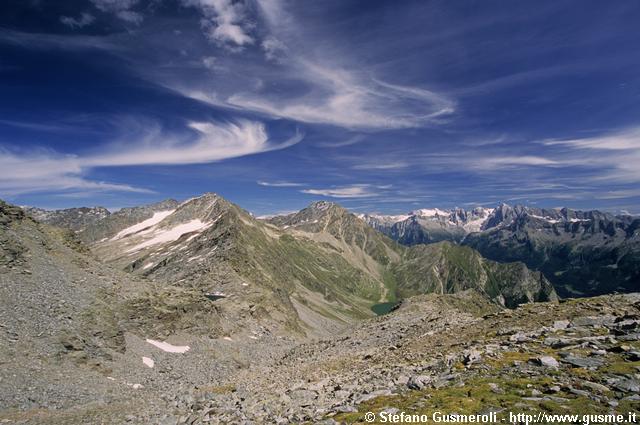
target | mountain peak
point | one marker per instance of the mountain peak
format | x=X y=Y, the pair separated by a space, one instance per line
x=323 y=205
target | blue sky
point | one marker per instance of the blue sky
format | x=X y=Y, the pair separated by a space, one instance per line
x=380 y=106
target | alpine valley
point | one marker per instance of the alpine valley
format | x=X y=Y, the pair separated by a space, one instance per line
x=197 y=312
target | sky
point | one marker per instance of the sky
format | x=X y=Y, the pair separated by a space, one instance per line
x=380 y=106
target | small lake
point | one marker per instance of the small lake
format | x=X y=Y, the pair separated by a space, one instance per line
x=384 y=308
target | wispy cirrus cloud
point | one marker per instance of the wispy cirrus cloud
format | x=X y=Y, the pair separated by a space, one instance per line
x=82 y=21
x=614 y=156
x=205 y=142
x=345 y=98
x=337 y=90
x=33 y=40
x=348 y=142
x=352 y=191
x=279 y=184
x=381 y=165
x=120 y=8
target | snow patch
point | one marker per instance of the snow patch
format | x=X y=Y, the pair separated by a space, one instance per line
x=172 y=234
x=428 y=212
x=165 y=346
x=148 y=361
x=547 y=219
x=157 y=218
x=147 y=266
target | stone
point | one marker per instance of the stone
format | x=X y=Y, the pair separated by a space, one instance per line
x=590 y=321
x=495 y=388
x=471 y=356
x=595 y=386
x=561 y=324
x=633 y=356
x=628 y=385
x=587 y=363
x=418 y=382
x=519 y=337
x=555 y=342
x=547 y=361
x=303 y=397
x=581 y=393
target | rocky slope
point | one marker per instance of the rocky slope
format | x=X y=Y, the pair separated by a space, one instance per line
x=82 y=342
x=52 y=352
x=579 y=357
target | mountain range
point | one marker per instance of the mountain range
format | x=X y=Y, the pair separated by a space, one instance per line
x=583 y=253
x=87 y=293
x=310 y=271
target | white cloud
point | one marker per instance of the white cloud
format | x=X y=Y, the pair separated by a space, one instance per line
x=350 y=141
x=224 y=21
x=332 y=87
x=120 y=8
x=208 y=142
x=279 y=184
x=274 y=49
x=353 y=191
x=614 y=156
x=622 y=140
x=48 y=172
x=386 y=165
x=345 y=98
x=502 y=161
x=81 y=22
x=212 y=64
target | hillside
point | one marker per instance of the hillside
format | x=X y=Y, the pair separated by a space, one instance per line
x=254 y=270
x=581 y=253
x=440 y=268
x=205 y=312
